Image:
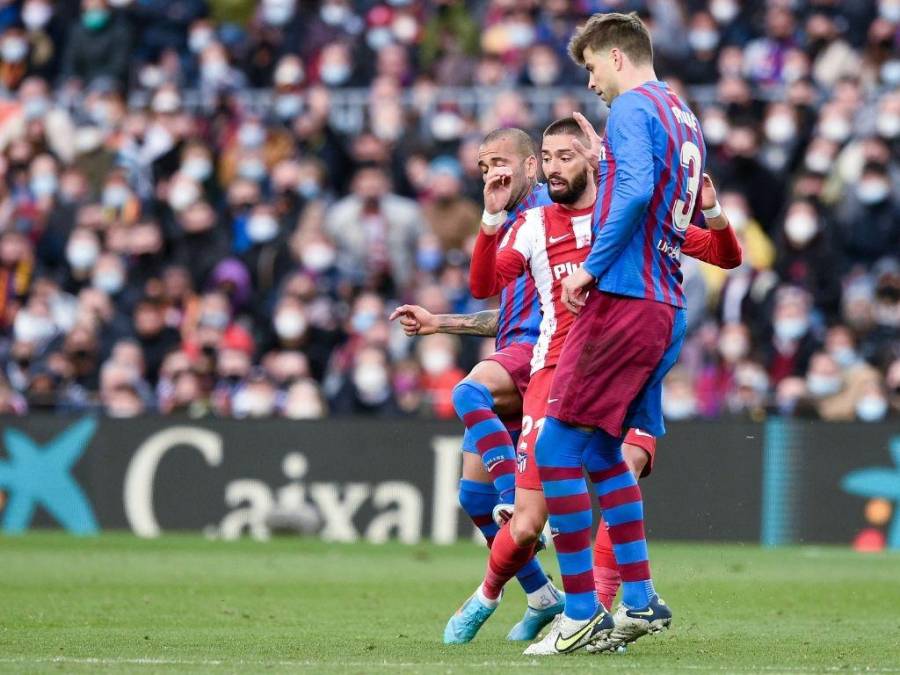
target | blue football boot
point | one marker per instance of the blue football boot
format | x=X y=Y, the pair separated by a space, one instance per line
x=469 y=618
x=535 y=619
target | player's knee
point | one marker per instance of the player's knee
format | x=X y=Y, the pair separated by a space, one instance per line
x=476 y=498
x=525 y=527
x=469 y=396
x=635 y=458
x=499 y=385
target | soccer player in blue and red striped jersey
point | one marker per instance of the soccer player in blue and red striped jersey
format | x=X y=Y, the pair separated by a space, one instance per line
x=489 y=399
x=627 y=335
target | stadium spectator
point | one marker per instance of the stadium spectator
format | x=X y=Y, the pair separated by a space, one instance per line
x=98 y=45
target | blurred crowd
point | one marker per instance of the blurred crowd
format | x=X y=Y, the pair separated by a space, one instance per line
x=169 y=243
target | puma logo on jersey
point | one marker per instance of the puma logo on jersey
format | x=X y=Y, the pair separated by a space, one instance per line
x=564 y=270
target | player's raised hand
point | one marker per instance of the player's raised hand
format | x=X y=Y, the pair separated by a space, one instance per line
x=415 y=320
x=497 y=193
x=591 y=152
x=575 y=289
x=708 y=196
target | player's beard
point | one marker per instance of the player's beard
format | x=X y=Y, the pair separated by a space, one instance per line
x=572 y=192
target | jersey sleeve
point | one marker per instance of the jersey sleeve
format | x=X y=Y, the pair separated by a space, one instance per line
x=630 y=134
x=716 y=247
x=494 y=267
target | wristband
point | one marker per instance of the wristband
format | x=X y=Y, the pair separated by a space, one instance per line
x=714 y=212
x=494 y=219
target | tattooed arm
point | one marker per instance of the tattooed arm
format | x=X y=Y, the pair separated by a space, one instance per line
x=419 y=321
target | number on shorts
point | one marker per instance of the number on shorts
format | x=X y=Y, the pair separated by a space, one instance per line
x=528 y=424
x=683 y=210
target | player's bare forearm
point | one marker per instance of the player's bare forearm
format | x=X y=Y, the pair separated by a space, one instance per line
x=483 y=324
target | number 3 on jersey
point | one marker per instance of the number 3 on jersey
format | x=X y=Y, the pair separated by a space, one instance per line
x=683 y=210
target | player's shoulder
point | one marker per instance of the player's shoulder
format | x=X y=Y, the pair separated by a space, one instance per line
x=540 y=195
x=639 y=99
x=526 y=225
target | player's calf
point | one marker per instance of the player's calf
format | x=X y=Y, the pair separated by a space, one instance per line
x=474 y=404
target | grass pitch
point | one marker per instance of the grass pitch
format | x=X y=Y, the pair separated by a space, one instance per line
x=184 y=604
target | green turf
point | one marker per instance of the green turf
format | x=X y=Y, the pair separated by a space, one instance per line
x=115 y=603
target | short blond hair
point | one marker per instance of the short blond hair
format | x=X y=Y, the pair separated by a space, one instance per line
x=625 y=32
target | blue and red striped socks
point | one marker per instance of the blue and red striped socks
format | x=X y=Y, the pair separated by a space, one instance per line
x=623 y=510
x=474 y=405
x=558 y=453
x=478 y=501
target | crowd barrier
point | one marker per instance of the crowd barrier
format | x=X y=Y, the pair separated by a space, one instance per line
x=779 y=482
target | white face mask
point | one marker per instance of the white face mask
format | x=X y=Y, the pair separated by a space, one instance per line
x=872 y=191
x=288 y=106
x=678 y=408
x=436 y=361
x=871 y=408
x=844 y=356
x=288 y=73
x=290 y=325
x=405 y=28
x=889 y=10
x=446 y=126
x=737 y=217
x=780 y=128
x=544 y=75
x=333 y=14
x=249 y=403
x=115 y=196
x=183 y=195
x=198 y=168
x=251 y=135
x=836 y=129
x=890 y=72
x=723 y=11
x=200 y=39
x=44 y=185
x=379 y=37
x=800 y=229
x=822 y=386
x=703 y=40
x=791 y=329
x=13 y=50
x=334 y=73
x=262 y=228
x=732 y=348
x=214 y=70
x=82 y=254
x=252 y=169
x=317 y=257
x=888 y=125
x=150 y=77
x=817 y=162
x=109 y=281
x=30 y=328
x=166 y=102
x=371 y=383
x=715 y=129
x=303 y=408
x=35 y=15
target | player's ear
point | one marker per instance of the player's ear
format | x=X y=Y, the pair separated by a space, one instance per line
x=531 y=166
x=615 y=58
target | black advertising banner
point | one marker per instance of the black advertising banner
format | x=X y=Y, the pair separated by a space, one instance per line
x=379 y=480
